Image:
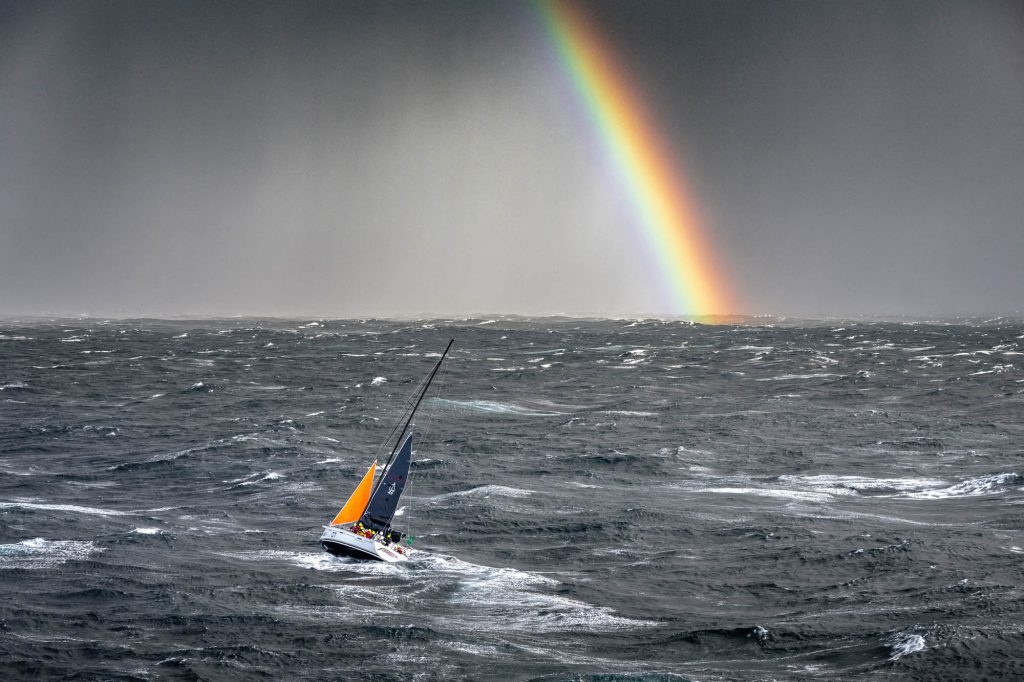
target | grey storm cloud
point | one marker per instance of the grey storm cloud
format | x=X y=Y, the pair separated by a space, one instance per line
x=358 y=159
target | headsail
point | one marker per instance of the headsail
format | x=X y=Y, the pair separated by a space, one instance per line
x=358 y=500
x=384 y=502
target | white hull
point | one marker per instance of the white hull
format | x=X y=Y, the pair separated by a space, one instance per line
x=341 y=541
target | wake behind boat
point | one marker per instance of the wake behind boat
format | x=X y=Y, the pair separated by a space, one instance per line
x=362 y=529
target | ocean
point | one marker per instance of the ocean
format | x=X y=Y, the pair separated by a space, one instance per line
x=590 y=500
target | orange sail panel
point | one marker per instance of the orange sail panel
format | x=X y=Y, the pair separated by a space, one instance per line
x=358 y=500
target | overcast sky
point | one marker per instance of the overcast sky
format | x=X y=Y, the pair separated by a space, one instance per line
x=378 y=158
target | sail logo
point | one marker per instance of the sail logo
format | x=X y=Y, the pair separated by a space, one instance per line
x=391 y=490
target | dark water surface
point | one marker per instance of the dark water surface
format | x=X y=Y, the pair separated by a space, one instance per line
x=593 y=500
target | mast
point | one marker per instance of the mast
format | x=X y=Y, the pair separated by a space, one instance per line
x=405 y=427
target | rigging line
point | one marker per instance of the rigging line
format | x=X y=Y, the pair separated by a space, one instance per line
x=394 y=429
x=428 y=423
x=440 y=386
x=431 y=414
x=410 y=406
x=412 y=414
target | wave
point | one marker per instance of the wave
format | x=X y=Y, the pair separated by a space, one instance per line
x=833 y=483
x=166 y=458
x=320 y=561
x=507 y=599
x=41 y=553
x=479 y=597
x=199 y=387
x=788 y=377
x=14 y=385
x=252 y=479
x=490 y=407
x=903 y=643
x=823 y=487
x=470 y=596
x=77 y=509
x=485 y=491
x=973 y=487
x=801 y=495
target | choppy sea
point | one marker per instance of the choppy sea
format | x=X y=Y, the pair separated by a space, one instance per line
x=591 y=500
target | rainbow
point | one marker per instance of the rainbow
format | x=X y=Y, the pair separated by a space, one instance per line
x=654 y=182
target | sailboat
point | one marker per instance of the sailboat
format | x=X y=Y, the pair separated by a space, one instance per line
x=362 y=529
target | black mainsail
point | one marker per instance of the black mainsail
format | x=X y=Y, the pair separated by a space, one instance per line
x=384 y=500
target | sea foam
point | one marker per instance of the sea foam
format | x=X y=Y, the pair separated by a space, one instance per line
x=41 y=553
x=973 y=487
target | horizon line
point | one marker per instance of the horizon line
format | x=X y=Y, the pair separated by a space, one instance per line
x=731 y=318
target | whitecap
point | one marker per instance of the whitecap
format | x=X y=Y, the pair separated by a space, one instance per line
x=306 y=487
x=996 y=369
x=377 y=381
x=801 y=495
x=252 y=479
x=973 y=487
x=320 y=561
x=77 y=509
x=41 y=553
x=492 y=407
x=904 y=643
x=148 y=531
x=507 y=599
x=243 y=438
x=478 y=597
x=819 y=513
x=485 y=491
x=787 y=377
x=832 y=482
